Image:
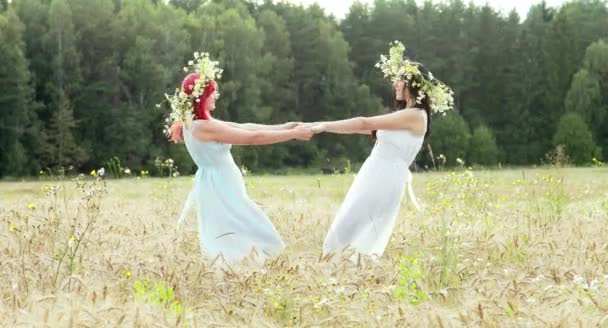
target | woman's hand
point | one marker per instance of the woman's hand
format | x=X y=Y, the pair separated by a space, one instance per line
x=302 y=133
x=175 y=133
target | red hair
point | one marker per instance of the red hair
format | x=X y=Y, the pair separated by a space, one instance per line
x=200 y=107
x=201 y=110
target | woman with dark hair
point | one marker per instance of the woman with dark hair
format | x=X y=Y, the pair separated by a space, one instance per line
x=230 y=224
x=368 y=214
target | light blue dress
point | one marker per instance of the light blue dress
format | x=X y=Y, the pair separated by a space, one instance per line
x=230 y=223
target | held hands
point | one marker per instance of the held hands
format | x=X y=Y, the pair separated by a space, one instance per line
x=316 y=127
x=302 y=133
x=305 y=131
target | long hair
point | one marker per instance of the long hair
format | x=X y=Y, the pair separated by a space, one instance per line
x=424 y=105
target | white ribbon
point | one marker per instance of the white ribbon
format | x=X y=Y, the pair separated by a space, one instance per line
x=410 y=192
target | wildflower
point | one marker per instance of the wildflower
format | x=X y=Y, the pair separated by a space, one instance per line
x=11 y=228
x=579 y=281
x=244 y=170
x=31 y=206
x=319 y=304
x=93 y=173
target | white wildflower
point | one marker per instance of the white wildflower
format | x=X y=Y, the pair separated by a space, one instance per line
x=580 y=282
x=320 y=303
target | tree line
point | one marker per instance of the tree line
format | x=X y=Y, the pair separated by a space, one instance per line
x=80 y=79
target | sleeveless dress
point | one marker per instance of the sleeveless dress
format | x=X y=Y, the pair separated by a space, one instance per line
x=230 y=223
x=366 y=218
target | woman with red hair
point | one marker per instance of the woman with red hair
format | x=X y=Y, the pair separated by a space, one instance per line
x=230 y=224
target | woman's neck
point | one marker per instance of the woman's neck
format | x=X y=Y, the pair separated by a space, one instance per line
x=410 y=103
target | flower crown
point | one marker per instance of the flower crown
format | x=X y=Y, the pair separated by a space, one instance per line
x=182 y=102
x=396 y=67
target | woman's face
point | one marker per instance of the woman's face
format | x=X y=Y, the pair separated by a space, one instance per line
x=211 y=100
x=399 y=89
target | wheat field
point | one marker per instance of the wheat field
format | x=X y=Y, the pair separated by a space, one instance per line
x=509 y=248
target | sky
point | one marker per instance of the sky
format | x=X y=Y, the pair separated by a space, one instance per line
x=339 y=8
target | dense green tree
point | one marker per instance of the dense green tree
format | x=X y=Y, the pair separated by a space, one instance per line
x=573 y=133
x=451 y=137
x=18 y=119
x=483 y=149
x=96 y=69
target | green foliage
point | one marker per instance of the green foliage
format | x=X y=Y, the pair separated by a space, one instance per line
x=115 y=168
x=585 y=99
x=482 y=149
x=62 y=148
x=158 y=293
x=576 y=136
x=19 y=125
x=450 y=137
x=410 y=275
x=596 y=62
x=102 y=66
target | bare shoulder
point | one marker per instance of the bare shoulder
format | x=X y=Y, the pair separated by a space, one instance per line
x=417 y=119
x=412 y=115
x=206 y=129
x=207 y=125
x=415 y=112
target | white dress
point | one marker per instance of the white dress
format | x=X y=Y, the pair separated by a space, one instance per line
x=368 y=214
x=230 y=223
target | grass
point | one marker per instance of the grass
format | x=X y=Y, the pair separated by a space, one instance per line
x=491 y=248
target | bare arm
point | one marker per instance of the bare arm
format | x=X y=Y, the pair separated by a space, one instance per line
x=214 y=130
x=257 y=127
x=412 y=120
